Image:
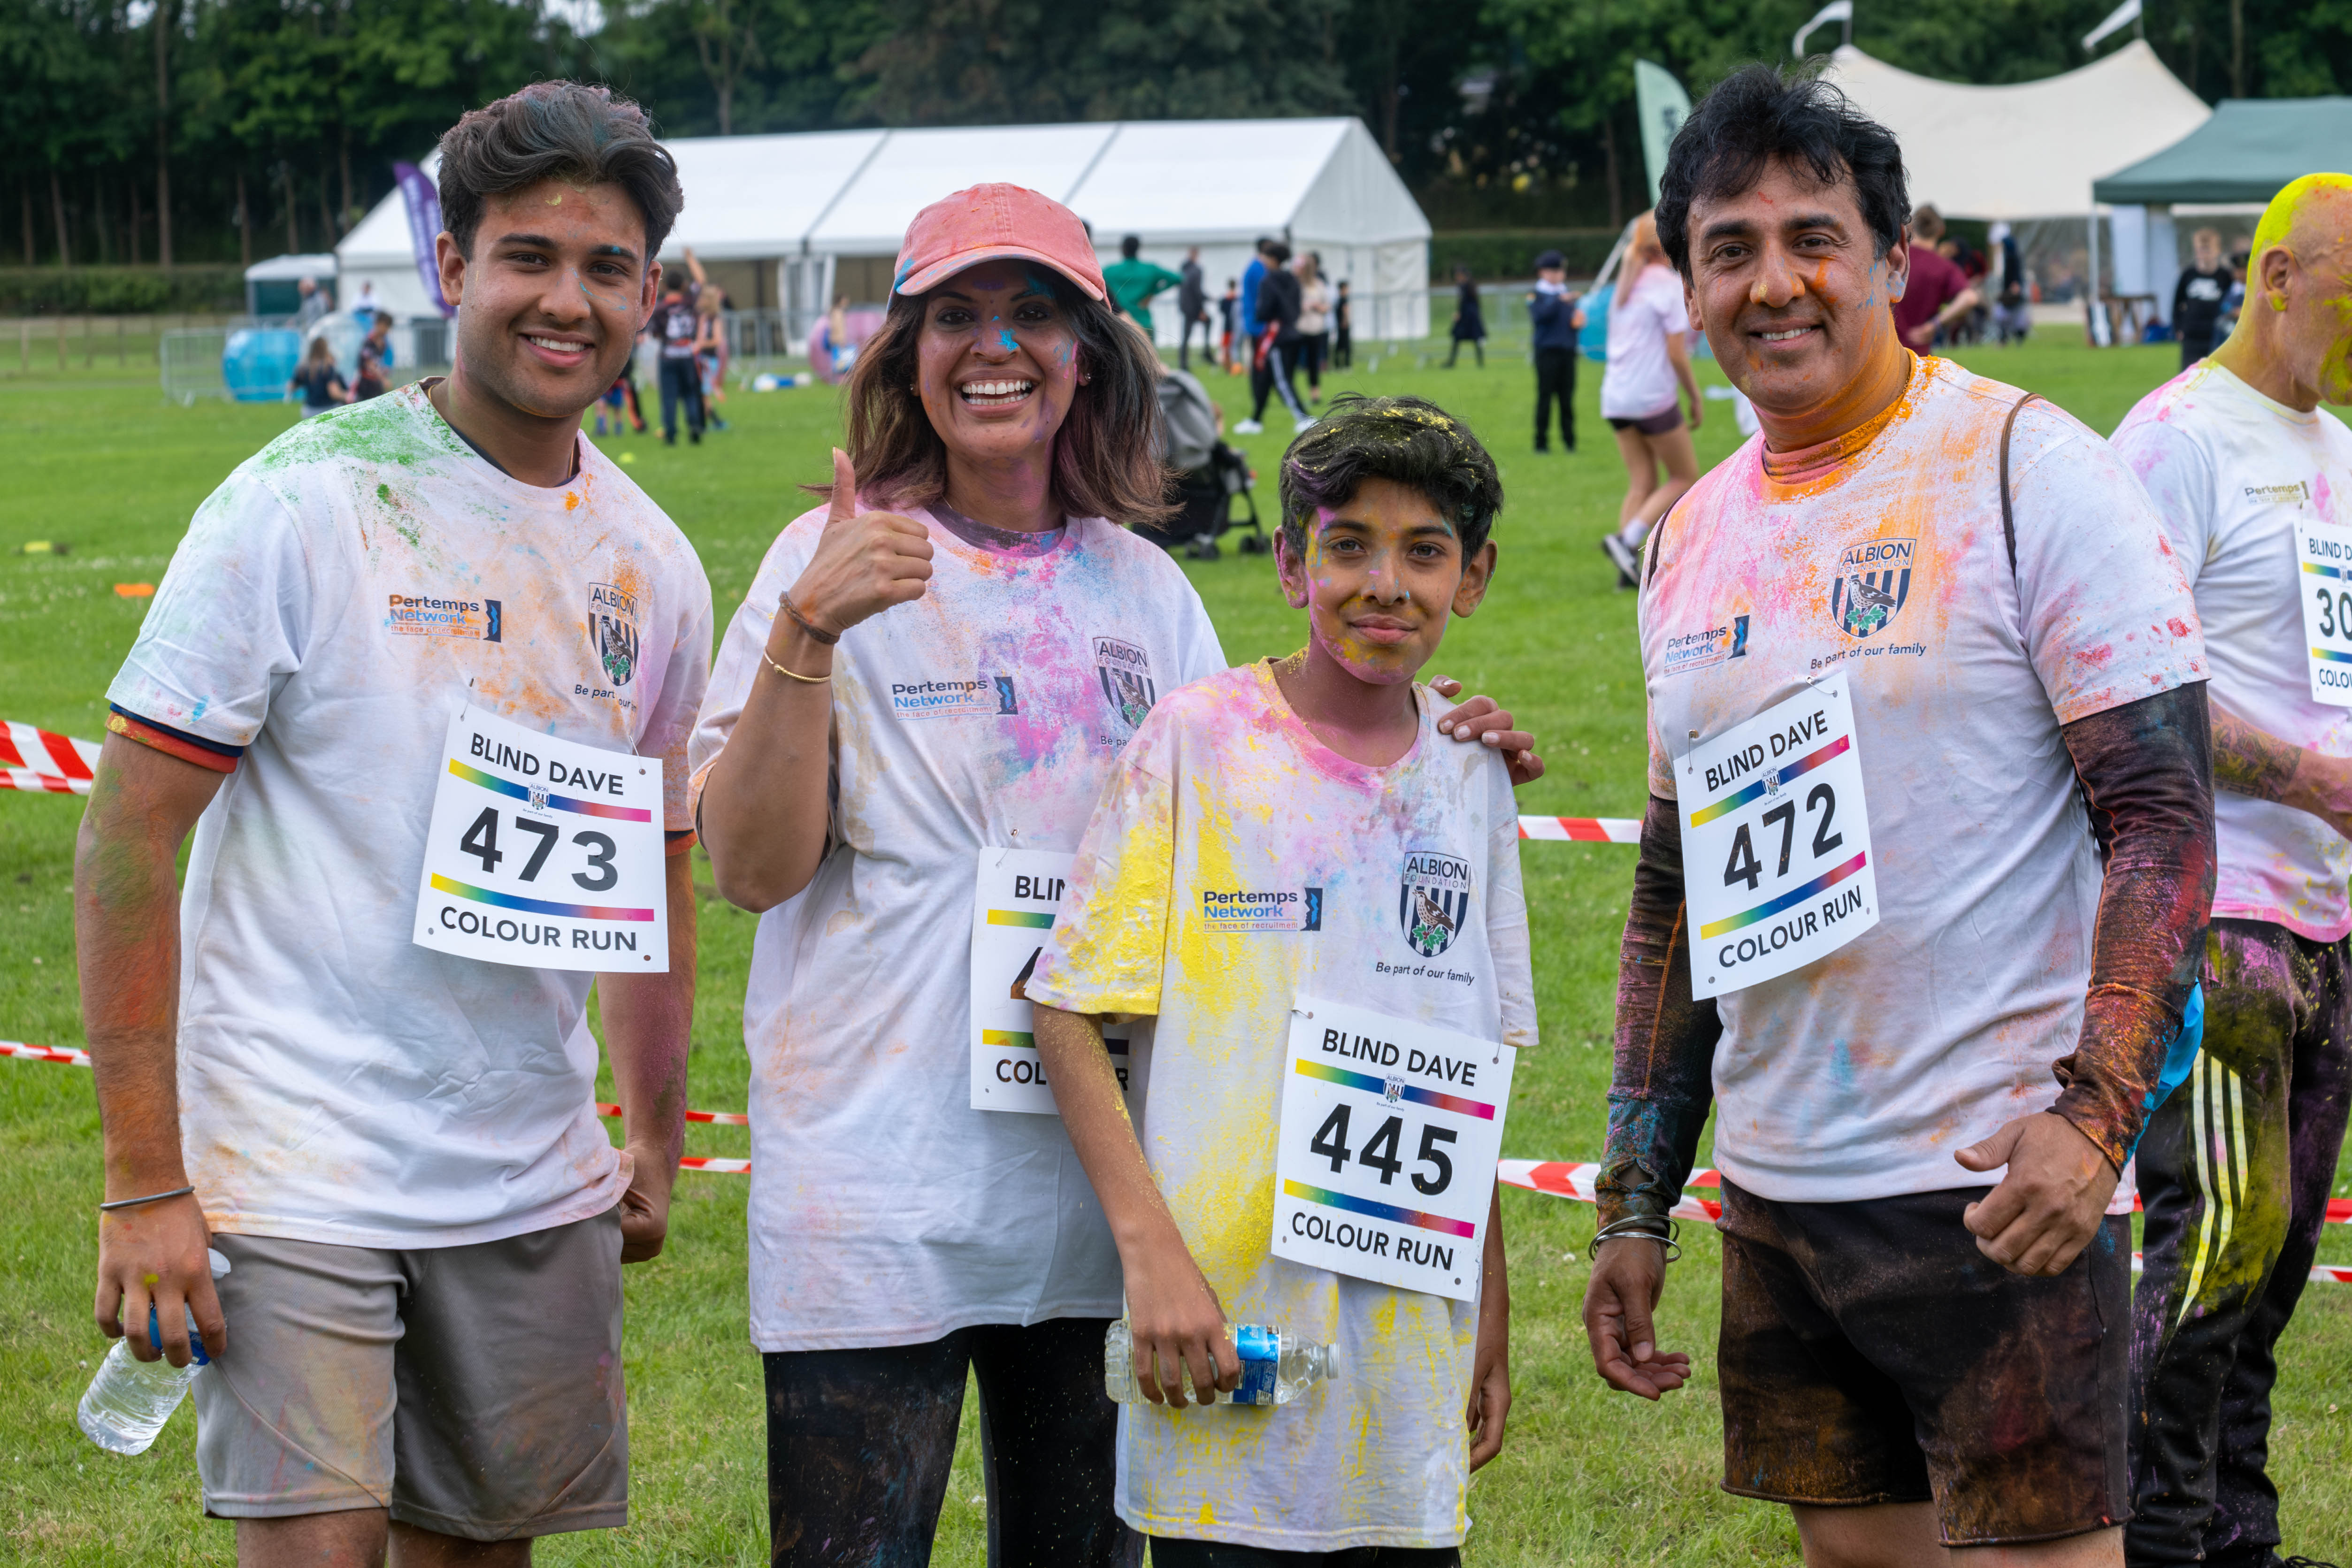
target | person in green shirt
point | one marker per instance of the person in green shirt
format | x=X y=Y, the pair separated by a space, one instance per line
x=1133 y=281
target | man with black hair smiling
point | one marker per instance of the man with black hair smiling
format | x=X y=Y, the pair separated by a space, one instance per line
x=396 y=1146
x=1892 y=647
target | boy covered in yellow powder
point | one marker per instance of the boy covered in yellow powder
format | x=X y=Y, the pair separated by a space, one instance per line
x=1282 y=841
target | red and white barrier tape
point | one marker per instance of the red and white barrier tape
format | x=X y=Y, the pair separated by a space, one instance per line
x=723 y=1118
x=1561 y=1178
x=43 y=1053
x=1582 y=830
x=36 y=760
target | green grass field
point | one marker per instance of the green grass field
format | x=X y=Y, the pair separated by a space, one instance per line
x=104 y=466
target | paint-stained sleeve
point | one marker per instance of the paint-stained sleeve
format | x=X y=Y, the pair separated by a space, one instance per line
x=1108 y=945
x=230 y=621
x=742 y=653
x=2176 y=471
x=2104 y=608
x=2147 y=770
x=1507 y=941
x=1661 y=1082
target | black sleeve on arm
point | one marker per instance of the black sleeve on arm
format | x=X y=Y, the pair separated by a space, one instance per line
x=1663 y=1079
x=2147 y=771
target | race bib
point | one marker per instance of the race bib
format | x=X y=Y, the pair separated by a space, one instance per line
x=1776 y=843
x=2323 y=557
x=1013 y=909
x=544 y=852
x=1384 y=1167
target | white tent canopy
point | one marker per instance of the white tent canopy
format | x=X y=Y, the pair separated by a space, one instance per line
x=2026 y=151
x=789 y=221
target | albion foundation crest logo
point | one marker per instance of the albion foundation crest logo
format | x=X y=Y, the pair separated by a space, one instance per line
x=1125 y=672
x=1872 y=583
x=613 y=631
x=1433 y=900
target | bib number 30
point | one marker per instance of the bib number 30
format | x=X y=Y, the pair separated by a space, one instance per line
x=2323 y=560
x=544 y=852
x=1775 y=842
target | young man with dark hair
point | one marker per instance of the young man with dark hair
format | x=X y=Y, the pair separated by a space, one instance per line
x=1276 y=841
x=2253 y=481
x=393 y=1141
x=1893 y=646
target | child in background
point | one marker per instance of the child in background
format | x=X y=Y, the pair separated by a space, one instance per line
x=1297 y=789
x=1229 y=311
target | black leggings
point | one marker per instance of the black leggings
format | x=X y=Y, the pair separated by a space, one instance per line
x=860 y=1443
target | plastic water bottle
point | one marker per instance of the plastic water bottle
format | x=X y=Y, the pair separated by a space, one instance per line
x=126 y=1405
x=1276 y=1367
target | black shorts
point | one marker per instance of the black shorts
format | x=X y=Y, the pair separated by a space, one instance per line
x=1870 y=1354
x=1666 y=422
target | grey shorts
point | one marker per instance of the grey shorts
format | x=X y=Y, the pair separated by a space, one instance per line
x=473 y=1391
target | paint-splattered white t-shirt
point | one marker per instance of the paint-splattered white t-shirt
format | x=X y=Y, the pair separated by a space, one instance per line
x=885 y=1209
x=1882 y=555
x=1225 y=791
x=344 y=594
x=2231 y=473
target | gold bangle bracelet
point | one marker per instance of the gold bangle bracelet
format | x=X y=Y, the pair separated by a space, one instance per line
x=810 y=680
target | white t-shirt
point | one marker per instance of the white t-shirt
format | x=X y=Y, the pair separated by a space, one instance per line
x=2230 y=472
x=885 y=1209
x=345 y=592
x=1226 y=792
x=1640 y=379
x=1882 y=554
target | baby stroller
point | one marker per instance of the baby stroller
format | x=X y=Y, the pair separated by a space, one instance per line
x=1206 y=494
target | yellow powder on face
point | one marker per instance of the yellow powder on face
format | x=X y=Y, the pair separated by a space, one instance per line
x=2293 y=205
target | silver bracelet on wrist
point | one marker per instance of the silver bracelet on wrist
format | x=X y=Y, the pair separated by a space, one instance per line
x=1642 y=1225
x=151 y=1198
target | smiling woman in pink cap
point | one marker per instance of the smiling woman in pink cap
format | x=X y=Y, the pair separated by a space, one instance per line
x=909 y=721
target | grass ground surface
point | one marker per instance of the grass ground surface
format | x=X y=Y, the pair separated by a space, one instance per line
x=98 y=462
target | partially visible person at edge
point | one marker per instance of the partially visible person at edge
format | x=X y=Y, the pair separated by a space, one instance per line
x=1343 y=329
x=1469 y=318
x=317 y=386
x=370 y=382
x=1321 y=769
x=1134 y=282
x=1553 y=319
x=1938 y=294
x=2239 y=458
x=397 y=1149
x=2197 y=296
x=1648 y=365
x=945 y=658
x=672 y=328
x=2014 y=1003
x=1229 y=309
x=1274 y=356
x=1192 y=309
x=1314 y=323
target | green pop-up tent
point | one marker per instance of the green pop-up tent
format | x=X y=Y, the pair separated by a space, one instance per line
x=2248 y=151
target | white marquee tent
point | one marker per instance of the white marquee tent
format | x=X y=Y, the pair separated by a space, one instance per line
x=786 y=221
x=2026 y=151
x=2030 y=150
